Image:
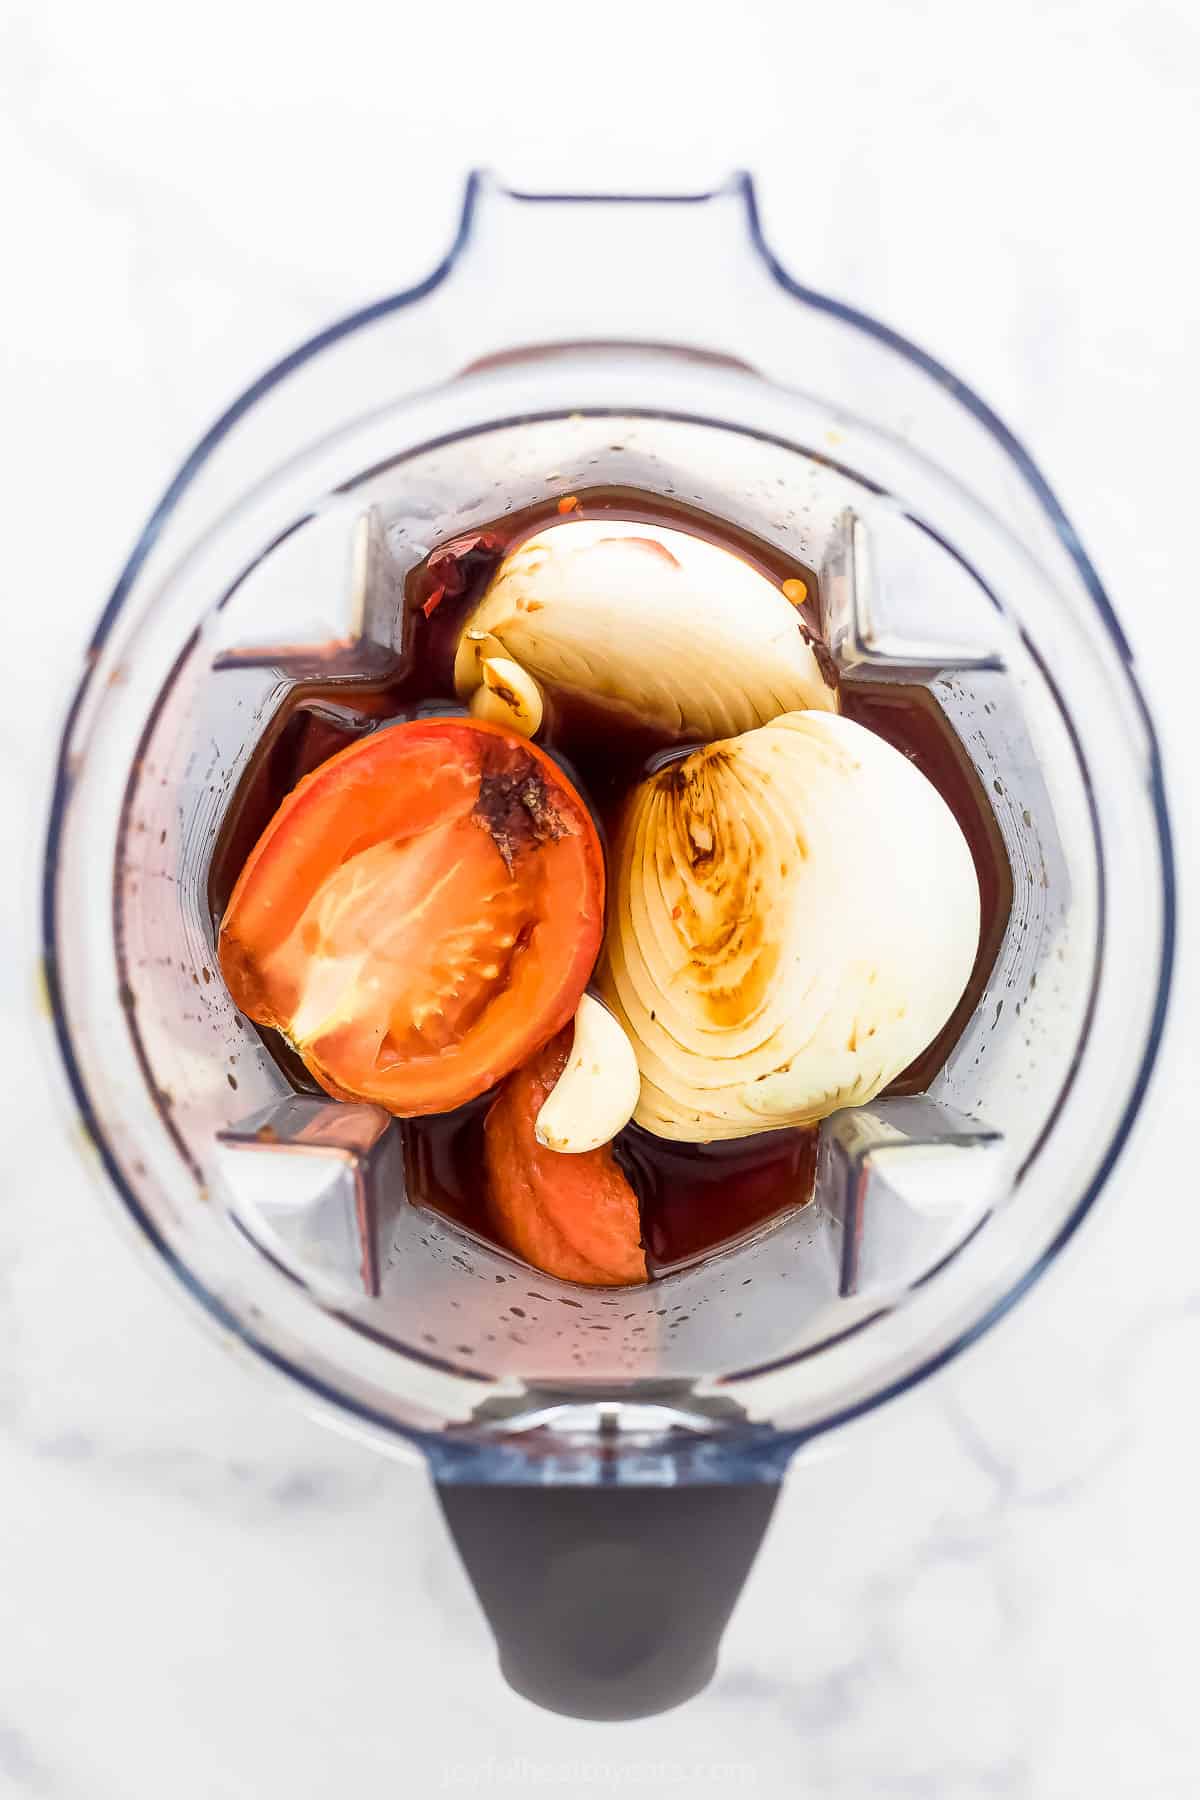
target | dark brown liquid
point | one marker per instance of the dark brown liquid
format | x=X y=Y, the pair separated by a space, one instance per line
x=912 y=721
x=697 y=1198
x=694 y=1198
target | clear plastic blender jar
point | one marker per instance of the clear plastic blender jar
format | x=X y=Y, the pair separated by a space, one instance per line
x=607 y=1461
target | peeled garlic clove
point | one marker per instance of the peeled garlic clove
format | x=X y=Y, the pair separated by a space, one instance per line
x=683 y=634
x=508 y=696
x=473 y=646
x=796 y=915
x=597 y=1091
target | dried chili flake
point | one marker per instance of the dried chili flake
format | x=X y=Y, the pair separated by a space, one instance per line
x=455 y=567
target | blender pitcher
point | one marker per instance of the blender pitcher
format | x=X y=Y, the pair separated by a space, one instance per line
x=607 y=1460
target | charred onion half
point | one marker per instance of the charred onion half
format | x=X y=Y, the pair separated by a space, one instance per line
x=675 y=633
x=794 y=914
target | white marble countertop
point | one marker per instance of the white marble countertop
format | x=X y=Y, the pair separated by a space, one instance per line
x=990 y=1588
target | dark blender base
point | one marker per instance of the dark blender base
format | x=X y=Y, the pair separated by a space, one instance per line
x=608 y=1602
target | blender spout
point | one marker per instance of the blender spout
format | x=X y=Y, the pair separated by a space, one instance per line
x=556 y=269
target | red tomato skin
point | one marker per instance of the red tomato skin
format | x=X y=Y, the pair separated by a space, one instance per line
x=512 y=824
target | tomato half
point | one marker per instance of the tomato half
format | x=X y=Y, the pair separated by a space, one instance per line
x=421 y=914
x=571 y=1216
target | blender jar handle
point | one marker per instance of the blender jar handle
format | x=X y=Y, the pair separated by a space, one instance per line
x=608 y=1602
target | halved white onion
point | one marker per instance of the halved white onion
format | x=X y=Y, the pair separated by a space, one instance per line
x=794 y=916
x=680 y=633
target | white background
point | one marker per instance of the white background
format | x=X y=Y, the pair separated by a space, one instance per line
x=991 y=1589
